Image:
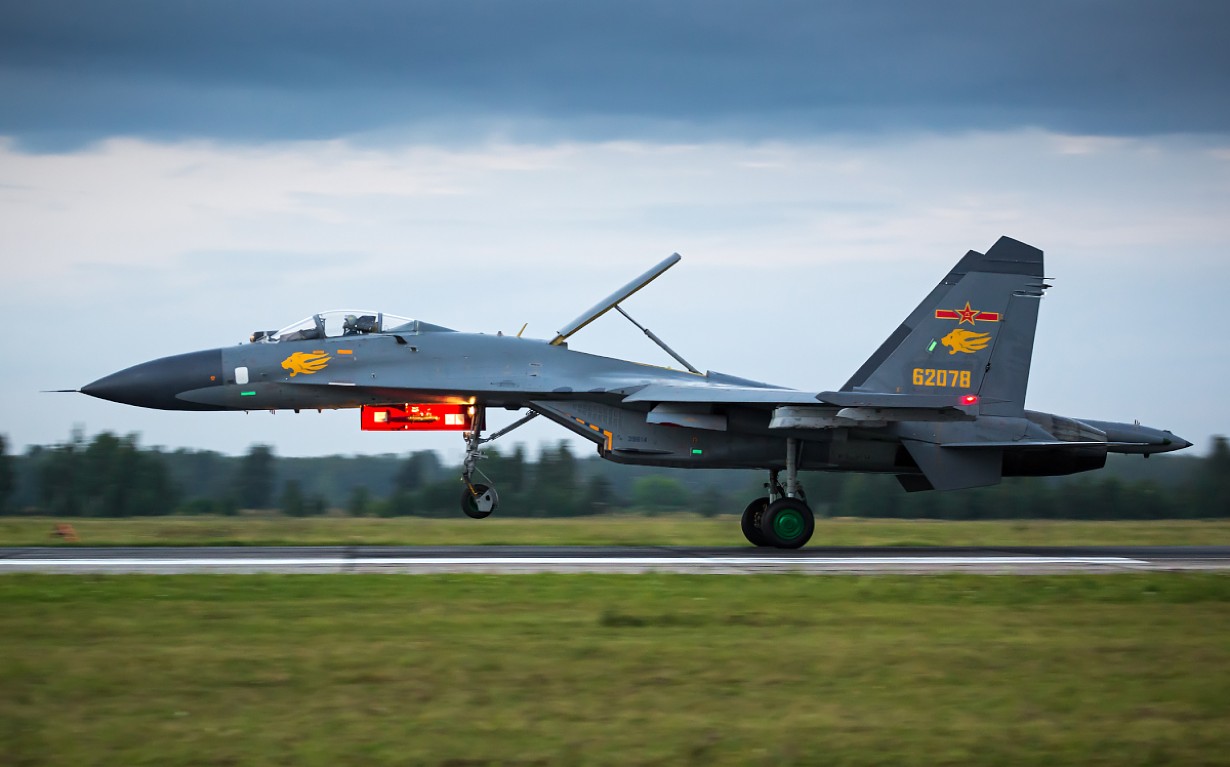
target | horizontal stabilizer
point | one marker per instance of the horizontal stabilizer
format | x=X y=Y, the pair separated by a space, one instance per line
x=828 y=417
x=1020 y=444
x=880 y=400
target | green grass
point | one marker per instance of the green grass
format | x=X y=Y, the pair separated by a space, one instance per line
x=663 y=530
x=614 y=670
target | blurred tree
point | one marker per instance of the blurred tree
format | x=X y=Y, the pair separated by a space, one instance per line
x=1211 y=491
x=220 y=506
x=7 y=482
x=398 y=505
x=507 y=474
x=256 y=478
x=599 y=495
x=711 y=502
x=110 y=477
x=554 y=491
x=822 y=488
x=59 y=491
x=315 y=505
x=359 y=504
x=859 y=498
x=419 y=469
x=292 y=499
x=440 y=499
x=922 y=505
x=202 y=473
x=515 y=473
x=657 y=492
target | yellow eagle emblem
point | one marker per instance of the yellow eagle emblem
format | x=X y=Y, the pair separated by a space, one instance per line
x=965 y=341
x=306 y=363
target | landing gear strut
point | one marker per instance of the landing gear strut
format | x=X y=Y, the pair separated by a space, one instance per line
x=783 y=519
x=479 y=500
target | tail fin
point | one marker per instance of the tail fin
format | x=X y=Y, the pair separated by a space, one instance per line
x=972 y=334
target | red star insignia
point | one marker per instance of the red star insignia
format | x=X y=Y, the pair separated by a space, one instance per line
x=967 y=314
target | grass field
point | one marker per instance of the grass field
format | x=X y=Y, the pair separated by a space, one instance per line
x=614 y=670
x=664 y=530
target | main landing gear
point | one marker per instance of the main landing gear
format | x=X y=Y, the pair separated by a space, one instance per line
x=782 y=519
x=479 y=500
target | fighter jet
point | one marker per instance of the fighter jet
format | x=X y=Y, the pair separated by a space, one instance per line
x=940 y=405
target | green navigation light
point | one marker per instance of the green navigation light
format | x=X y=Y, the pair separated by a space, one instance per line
x=247 y=394
x=931 y=348
x=697 y=451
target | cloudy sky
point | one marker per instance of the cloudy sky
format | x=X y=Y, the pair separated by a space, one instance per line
x=176 y=175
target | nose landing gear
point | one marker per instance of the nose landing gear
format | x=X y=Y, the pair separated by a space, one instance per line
x=479 y=500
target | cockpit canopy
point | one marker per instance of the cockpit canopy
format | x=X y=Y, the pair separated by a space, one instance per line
x=342 y=322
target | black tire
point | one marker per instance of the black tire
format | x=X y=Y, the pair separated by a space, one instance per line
x=788 y=523
x=469 y=501
x=751 y=522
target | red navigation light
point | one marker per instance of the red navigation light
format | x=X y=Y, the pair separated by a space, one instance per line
x=969 y=399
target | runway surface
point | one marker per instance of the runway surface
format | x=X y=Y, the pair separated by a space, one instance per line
x=601 y=559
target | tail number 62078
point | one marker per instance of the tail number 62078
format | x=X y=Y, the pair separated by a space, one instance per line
x=959 y=379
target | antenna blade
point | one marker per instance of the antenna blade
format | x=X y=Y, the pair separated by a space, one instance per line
x=608 y=303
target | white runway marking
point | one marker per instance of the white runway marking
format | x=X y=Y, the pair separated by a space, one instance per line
x=570 y=564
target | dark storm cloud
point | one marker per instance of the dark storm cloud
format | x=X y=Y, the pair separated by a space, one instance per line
x=78 y=70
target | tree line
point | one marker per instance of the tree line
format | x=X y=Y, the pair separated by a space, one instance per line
x=112 y=475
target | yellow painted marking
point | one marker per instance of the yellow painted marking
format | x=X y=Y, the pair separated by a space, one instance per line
x=965 y=341
x=302 y=362
x=345 y=351
x=959 y=379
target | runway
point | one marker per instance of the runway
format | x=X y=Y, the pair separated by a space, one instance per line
x=601 y=559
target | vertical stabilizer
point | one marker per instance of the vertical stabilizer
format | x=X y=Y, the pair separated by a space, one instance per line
x=972 y=334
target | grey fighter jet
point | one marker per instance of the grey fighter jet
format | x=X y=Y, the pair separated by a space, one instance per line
x=940 y=405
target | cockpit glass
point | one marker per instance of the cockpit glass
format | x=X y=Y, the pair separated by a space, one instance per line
x=334 y=324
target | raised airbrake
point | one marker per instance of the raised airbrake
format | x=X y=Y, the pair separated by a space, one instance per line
x=940 y=405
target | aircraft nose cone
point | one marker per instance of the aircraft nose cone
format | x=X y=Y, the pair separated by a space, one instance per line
x=1171 y=442
x=155 y=384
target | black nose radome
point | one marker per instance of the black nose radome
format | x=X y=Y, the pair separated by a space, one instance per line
x=156 y=384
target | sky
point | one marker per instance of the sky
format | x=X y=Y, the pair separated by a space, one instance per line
x=174 y=176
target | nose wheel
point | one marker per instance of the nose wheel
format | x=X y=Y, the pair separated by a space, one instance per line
x=479 y=500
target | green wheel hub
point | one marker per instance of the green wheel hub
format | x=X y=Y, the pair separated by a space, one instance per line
x=789 y=524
